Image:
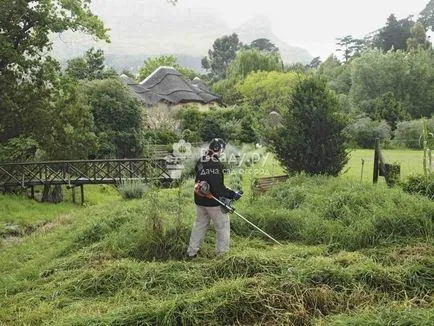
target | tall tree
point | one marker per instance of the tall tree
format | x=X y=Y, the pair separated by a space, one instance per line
x=427 y=15
x=314 y=63
x=349 y=46
x=267 y=91
x=247 y=61
x=90 y=66
x=224 y=50
x=69 y=129
x=418 y=38
x=337 y=74
x=49 y=123
x=29 y=77
x=27 y=25
x=265 y=45
x=408 y=75
x=394 y=35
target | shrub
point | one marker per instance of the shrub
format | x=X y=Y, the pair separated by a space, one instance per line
x=363 y=131
x=162 y=135
x=311 y=138
x=419 y=184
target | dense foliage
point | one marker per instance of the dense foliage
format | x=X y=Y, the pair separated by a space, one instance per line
x=363 y=131
x=43 y=114
x=236 y=125
x=265 y=91
x=118 y=118
x=247 y=61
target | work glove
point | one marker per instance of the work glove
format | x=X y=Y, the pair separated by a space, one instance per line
x=237 y=195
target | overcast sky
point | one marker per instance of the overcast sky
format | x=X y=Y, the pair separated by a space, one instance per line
x=313 y=24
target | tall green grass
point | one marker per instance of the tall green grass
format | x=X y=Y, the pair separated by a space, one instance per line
x=345 y=214
x=352 y=254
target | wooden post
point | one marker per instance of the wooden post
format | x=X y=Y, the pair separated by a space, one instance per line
x=32 y=189
x=120 y=172
x=376 y=159
x=82 y=194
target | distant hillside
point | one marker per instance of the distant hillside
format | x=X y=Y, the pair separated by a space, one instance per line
x=261 y=27
x=140 y=29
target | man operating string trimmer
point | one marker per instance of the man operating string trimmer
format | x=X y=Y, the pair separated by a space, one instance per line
x=210 y=196
x=209 y=168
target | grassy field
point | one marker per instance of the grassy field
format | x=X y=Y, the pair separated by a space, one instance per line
x=353 y=254
x=409 y=160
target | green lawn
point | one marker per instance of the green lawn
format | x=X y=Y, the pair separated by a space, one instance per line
x=410 y=161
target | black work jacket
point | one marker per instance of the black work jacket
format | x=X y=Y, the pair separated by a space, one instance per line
x=209 y=168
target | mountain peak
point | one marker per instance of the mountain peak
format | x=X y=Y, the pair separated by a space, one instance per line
x=260 y=26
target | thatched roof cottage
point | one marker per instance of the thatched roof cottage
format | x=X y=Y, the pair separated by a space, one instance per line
x=166 y=87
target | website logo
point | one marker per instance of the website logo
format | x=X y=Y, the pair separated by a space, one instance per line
x=181 y=149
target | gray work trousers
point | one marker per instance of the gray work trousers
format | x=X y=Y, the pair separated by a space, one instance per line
x=222 y=226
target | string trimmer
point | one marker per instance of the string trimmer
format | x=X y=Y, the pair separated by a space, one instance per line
x=202 y=189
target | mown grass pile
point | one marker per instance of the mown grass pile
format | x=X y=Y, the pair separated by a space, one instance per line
x=352 y=255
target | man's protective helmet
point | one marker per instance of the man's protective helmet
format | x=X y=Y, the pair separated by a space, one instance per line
x=217 y=144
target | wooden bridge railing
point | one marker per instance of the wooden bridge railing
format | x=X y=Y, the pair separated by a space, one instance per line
x=73 y=173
